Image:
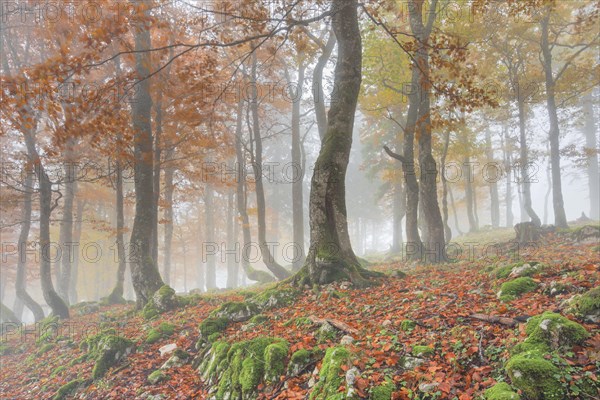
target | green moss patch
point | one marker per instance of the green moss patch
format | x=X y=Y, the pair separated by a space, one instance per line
x=67 y=389
x=516 y=288
x=383 y=391
x=213 y=325
x=407 y=325
x=107 y=349
x=501 y=391
x=275 y=355
x=422 y=351
x=298 y=362
x=550 y=331
x=536 y=377
x=275 y=298
x=587 y=305
x=157 y=377
x=331 y=376
x=163 y=300
x=235 y=311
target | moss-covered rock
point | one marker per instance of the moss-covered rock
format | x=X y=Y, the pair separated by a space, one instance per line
x=236 y=311
x=107 y=350
x=383 y=391
x=298 y=362
x=213 y=325
x=153 y=336
x=67 y=389
x=587 y=305
x=178 y=359
x=422 y=351
x=274 y=298
x=326 y=333
x=501 y=391
x=157 y=377
x=516 y=288
x=58 y=370
x=275 y=355
x=536 y=377
x=163 y=300
x=212 y=365
x=45 y=348
x=331 y=376
x=550 y=331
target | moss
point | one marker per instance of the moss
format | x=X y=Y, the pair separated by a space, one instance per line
x=235 y=311
x=503 y=272
x=149 y=311
x=274 y=298
x=383 y=391
x=259 y=319
x=45 y=348
x=58 y=370
x=67 y=389
x=420 y=351
x=79 y=360
x=298 y=361
x=164 y=299
x=550 y=331
x=156 y=377
x=501 y=391
x=153 y=336
x=326 y=333
x=407 y=325
x=331 y=376
x=166 y=328
x=517 y=287
x=275 y=355
x=213 y=325
x=213 y=337
x=588 y=304
x=536 y=377
x=210 y=367
x=110 y=350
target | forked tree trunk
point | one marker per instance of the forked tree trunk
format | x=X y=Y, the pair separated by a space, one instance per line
x=66 y=225
x=21 y=280
x=144 y=270
x=560 y=218
x=257 y=165
x=317 y=85
x=330 y=256
x=58 y=306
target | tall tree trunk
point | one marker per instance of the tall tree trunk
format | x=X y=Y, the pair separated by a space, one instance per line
x=454 y=213
x=144 y=270
x=508 y=168
x=330 y=256
x=116 y=295
x=66 y=225
x=232 y=265
x=73 y=296
x=548 y=192
x=298 y=182
x=209 y=213
x=560 y=218
x=257 y=165
x=317 y=85
x=435 y=245
x=58 y=306
x=447 y=230
x=242 y=198
x=524 y=162
x=399 y=210
x=21 y=279
x=201 y=274
x=493 y=181
x=469 y=194
x=169 y=189
x=591 y=148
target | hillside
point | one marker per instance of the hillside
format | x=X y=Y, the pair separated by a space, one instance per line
x=425 y=332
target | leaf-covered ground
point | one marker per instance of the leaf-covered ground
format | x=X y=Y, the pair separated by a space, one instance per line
x=469 y=354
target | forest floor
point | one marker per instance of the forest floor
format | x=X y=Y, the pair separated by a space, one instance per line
x=469 y=355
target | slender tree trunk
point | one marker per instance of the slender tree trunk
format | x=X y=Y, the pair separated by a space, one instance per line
x=298 y=182
x=66 y=225
x=560 y=218
x=169 y=188
x=454 y=213
x=201 y=277
x=209 y=212
x=591 y=148
x=156 y=174
x=116 y=295
x=524 y=163
x=58 y=306
x=270 y=262
x=242 y=198
x=232 y=265
x=447 y=230
x=21 y=279
x=144 y=271
x=317 y=85
x=330 y=256
x=73 y=296
x=548 y=192
x=399 y=209
x=469 y=194
x=492 y=181
x=508 y=169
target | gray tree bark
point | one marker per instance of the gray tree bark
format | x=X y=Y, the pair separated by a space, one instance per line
x=66 y=224
x=591 y=147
